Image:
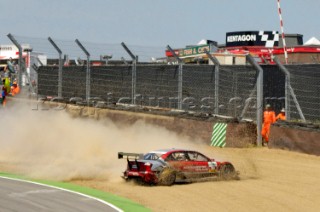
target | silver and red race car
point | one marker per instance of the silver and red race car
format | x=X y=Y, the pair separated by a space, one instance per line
x=167 y=166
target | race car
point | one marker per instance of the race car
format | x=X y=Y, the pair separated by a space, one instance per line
x=167 y=166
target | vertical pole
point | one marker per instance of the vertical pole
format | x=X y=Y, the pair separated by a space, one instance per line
x=180 y=77
x=259 y=97
x=88 y=81
x=134 y=80
x=216 y=80
x=88 y=74
x=287 y=99
x=216 y=88
x=287 y=84
x=60 y=66
x=134 y=72
x=286 y=87
x=289 y=91
x=282 y=33
x=15 y=42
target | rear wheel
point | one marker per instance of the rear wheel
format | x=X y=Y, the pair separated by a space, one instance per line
x=227 y=172
x=167 y=177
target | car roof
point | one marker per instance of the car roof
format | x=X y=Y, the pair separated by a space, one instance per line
x=164 y=151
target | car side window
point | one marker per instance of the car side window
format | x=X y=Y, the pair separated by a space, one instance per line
x=201 y=158
x=170 y=157
x=151 y=156
x=176 y=156
x=195 y=156
x=192 y=156
x=181 y=156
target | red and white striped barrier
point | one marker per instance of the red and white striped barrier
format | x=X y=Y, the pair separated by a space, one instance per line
x=282 y=33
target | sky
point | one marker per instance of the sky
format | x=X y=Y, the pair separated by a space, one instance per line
x=154 y=23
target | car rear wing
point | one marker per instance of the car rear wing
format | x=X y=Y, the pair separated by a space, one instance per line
x=131 y=155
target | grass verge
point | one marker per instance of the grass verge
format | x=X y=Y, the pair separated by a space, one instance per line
x=120 y=202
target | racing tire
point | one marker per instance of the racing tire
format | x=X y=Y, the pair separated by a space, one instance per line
x=167 y=177
x=227 y=172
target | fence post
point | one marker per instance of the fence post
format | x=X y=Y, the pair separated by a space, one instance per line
x=60 y=66
x=22 y=65
x=15 y=42
x=180 y=77
x=216 y=80
x=259 y=96
x=88 y=80
x=134 y=72
x=289 y=90
x=124 y=61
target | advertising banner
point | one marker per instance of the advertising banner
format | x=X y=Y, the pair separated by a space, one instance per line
x=267 y=39
x=193 y=51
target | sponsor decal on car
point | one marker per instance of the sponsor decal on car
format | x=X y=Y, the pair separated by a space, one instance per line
x=201 y=168
x=212 y=166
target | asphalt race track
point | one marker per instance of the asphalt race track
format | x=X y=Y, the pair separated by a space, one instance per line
x=24 y=196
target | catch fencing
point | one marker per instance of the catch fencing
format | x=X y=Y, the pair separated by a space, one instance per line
x=158 y=86
x=143 y=79
x=305 y=82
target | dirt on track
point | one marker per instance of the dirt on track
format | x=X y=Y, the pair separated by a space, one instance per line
x=271 y=180
x=51 y=145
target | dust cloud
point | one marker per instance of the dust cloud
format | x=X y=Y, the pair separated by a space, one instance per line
x=53 y=145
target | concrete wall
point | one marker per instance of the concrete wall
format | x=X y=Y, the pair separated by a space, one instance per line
x=304 y=138
x=294 y=137
x=238 y=134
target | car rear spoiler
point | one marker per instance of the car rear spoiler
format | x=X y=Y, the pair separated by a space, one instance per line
x=132 y=155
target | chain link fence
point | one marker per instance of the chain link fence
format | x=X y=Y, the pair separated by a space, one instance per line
x=157 y=86
x=237 y=86
x=193 y=88
x=305 y=82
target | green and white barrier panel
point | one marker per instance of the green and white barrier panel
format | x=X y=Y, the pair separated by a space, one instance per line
x=219 y=135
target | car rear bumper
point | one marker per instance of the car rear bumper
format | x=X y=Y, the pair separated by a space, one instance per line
x=145 y=176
